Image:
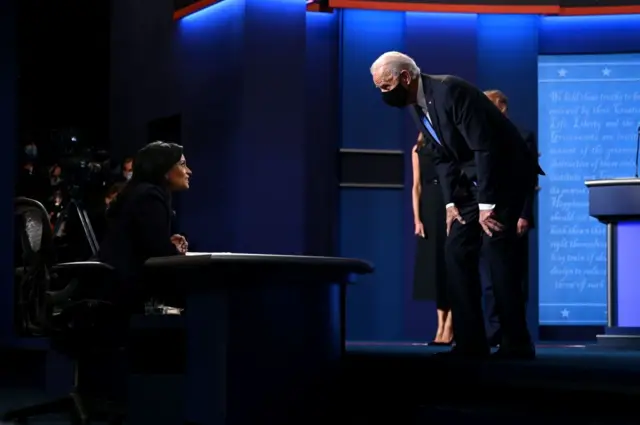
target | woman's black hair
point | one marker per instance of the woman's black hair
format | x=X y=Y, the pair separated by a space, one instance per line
x=152 y=163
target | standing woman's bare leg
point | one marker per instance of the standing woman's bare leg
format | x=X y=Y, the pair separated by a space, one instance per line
x=447 y=330
x=442 y=317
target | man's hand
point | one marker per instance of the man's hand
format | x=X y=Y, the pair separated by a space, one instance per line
x=181 y=243
x=489 y=223
x=523 y=226
x=453 y=215
x=419 y=229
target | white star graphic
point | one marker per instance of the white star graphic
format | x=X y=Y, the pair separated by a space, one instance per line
x=565 y=313
x=562 y=72
x=606 y=72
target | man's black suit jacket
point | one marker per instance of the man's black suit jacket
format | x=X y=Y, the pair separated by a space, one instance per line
x=478 y=142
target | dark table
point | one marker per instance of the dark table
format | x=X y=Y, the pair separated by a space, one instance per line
x=265 y=333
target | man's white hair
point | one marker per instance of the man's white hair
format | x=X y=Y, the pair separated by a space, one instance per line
x=394 y=63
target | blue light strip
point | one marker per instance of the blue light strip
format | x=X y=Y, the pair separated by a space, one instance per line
x=214 y=12
x=211 y=12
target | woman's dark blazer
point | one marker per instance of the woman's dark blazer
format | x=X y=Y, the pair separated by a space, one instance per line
x=139 y=227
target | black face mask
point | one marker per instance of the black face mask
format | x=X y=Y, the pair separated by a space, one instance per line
x=397 y=97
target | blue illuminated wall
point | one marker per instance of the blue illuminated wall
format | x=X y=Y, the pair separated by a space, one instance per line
x=493 y=51
x=372 y=221
x=322 y=132
x=250 y=86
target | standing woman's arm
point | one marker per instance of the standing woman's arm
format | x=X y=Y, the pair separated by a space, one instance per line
x=417 y=185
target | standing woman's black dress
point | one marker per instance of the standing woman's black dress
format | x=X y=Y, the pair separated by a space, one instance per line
x=429 y=277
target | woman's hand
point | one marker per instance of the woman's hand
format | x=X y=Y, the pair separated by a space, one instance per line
x=419 y=229
x=181 y=243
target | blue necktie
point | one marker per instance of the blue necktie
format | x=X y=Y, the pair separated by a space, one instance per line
x=428 y=125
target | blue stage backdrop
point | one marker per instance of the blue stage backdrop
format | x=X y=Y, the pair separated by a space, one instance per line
x=589 y=110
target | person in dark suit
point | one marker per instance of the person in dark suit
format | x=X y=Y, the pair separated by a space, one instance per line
x=486 y=172
x=429 y=274
x=525 y=222
x=139 y=220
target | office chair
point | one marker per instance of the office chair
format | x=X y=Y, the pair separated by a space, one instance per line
x=69 y=304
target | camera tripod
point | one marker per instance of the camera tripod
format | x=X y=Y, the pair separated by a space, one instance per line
x=75 y=204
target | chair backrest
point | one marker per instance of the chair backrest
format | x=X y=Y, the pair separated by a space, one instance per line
x=34 y=237
x=74 y=315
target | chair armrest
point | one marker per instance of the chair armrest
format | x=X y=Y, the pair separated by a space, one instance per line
x=81 y=279
x=84 y=270
x=83 y=267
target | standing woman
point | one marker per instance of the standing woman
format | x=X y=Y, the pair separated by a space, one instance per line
x=429 y=215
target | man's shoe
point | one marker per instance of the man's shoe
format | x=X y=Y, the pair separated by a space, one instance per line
x=494 y=341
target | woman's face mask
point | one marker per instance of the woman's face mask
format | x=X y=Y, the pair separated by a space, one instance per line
x=128 y=174
x=31 y=151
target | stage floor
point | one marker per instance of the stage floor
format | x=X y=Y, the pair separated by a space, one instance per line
x=403 y=384
x=564 y=377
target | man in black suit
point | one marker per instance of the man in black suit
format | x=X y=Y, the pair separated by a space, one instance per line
x=525 y=222
x=486 y=173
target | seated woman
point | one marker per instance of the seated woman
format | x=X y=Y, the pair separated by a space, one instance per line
x=139 y=220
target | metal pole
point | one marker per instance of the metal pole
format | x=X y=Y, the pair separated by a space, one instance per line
x=343 y=318
x=612 y=320
x=87 y=227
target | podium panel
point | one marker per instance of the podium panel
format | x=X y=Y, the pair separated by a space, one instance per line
x=627 y=271
x=614 y=199
x=616 y=203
